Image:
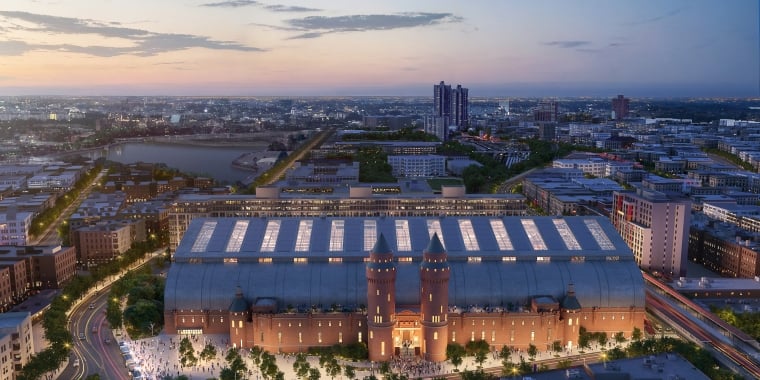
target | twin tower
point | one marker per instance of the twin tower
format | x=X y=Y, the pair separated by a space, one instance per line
x=432 y=327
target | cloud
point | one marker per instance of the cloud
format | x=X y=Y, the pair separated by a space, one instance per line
x=249 y=3
x=231 y=4
x=144 y=43
x=315 y=26
x=567 y=44
x=657 y=18
x=290 y=8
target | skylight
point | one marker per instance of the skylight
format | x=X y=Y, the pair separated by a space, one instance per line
x=204 y=235
x=336 y=235
x=501 y=235
x=598 y=233
x=370 y=234
x=468 y=235
x=270 y=236
x=567 y=234
x=403 y=241
x=303 y=239
x=533 y=235
x=434 y=226
x=236 y=238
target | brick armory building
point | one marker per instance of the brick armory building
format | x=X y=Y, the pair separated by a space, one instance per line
x=403 y=284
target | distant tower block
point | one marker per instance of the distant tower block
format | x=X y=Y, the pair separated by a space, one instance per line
x=620 y=107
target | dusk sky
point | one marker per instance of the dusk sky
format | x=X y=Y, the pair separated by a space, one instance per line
x=495 y=48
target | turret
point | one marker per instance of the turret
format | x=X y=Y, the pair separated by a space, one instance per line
x=238 y=317
x=381 y=301
x=569 y=310
x=434 y=300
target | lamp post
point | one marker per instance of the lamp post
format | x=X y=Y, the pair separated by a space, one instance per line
x=604 y=359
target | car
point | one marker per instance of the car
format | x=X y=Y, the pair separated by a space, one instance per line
x=92 y=306
x=94 y=329
x=107 y=340
x=76 y=362
x=82 y=336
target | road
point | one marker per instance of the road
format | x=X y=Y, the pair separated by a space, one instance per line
x=93 y=353
x=50 y=235
x=315 y=142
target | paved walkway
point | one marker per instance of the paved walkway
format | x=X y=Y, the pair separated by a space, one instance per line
x=159 y=356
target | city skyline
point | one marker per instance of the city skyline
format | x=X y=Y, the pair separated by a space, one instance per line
x=257 y=48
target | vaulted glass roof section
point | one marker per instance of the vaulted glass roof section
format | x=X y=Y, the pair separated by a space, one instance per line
x=403 y=240
x=269 y=242
x=501 y=235
x=201 y=241
x=566 y=234
x=337 y=231
x=598 y=233
x=533 y=235
x=468 y=235
x=304 y=235
x=237 y=236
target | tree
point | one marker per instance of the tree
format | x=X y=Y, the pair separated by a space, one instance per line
x=187 y=353
x=557 y=346
x=209 y=352
x=350 y=372
x=636 y=334
x=480 y=358
x=454 y=353
x=300 y=366
x=619 y=337
x=332 y=368
x=532 y=351
x=601 y=337
x=314 y=374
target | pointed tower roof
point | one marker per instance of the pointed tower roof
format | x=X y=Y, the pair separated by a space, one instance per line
x=381 y=246
x=570 y=302
x=434 y=256
x=435 y=246
x=239 y=303
x=381 y=255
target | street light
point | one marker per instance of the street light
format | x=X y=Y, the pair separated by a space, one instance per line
x=604 y=359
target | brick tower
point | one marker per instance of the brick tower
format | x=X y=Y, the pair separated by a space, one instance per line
x=434 y=300
x=381 y=301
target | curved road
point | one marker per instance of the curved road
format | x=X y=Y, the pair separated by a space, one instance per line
x=93 y=353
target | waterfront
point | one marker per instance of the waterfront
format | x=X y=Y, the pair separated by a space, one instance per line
x=214 y=162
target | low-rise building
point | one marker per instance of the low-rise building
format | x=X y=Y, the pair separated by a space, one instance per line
x=17 y=325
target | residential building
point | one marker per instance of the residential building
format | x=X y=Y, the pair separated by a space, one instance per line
x=620 y=107
x=655 y=227
x=428 y=165
x=18 y=325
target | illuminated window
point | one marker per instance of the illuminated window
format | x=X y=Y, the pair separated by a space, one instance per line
x=270 y=236
x=335 y=259
x=567 y=234
x=336 y=235
x=204 y=235
x=533 y=234
x=473 y=259
x=509 y=258
x=468 y=235
x=501 y=235
x=265 y=260
x=230 y=260
x=543 y=259
x=405 y=259
x=300 y=260
x=403 y=241
x=304 y=235
x=236 y=238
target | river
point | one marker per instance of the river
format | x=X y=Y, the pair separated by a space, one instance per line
x=213 y=162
